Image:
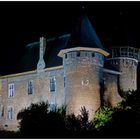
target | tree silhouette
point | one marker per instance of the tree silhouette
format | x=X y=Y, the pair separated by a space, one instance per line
x=38 y=121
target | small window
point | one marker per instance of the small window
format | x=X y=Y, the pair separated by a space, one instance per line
x=93 y=54
x=64 y=81
x=30 y=87
x=10 y=113
x=1 y=111
x=52 y=84
x=66 y=56
x=78 y=54
x=11 y=90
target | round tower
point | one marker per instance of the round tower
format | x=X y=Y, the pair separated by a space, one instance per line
x=125 y=60
x=83 y=70
x=83 y=61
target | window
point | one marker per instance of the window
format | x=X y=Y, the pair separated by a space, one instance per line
x=131 y=52
x=10 y=113
x=30 y=87
x=11 y=90
x=123 y=51
x=1 y=111
x=64 y=81
x=66 y=56
x=78 y=54
x=93 y=54
x=52 y=84
x=116 y=52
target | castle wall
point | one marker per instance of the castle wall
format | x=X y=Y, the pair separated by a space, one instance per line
x=80 y=82
x=111 y=95
x=21 y=99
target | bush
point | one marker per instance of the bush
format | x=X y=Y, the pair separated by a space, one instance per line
x=102 y=116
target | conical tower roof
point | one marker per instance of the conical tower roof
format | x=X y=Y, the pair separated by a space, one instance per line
x=84 y=35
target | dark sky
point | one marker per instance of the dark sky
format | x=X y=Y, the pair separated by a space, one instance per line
x=116 y=23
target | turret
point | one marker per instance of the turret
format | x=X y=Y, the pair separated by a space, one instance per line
x=125 y=60
x=83 y=60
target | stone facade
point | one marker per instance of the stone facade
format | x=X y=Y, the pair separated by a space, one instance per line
x=111 y=95
x=128 y=67
x=125 y=61
x=81 y=88
x=81 y=81
x=22 y=99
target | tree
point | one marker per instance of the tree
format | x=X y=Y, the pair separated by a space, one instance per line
x=37 y=122
x=120 y=122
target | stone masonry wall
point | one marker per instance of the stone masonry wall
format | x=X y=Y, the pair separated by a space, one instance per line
x=82 y=84
x=111 y=95
x=128 y=76
x=21 y=99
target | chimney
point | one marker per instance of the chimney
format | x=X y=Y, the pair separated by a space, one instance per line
x=41 y=63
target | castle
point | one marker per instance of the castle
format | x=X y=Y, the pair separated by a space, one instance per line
x=86 y=75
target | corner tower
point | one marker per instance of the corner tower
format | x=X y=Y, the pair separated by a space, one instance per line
x=125 y=60
x=83 y=61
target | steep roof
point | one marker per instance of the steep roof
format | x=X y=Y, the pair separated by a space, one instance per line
x=84 y=35
x=53 y=46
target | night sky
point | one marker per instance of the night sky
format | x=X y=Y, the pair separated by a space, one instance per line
x=116 y=23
